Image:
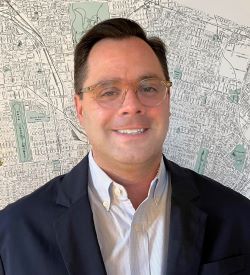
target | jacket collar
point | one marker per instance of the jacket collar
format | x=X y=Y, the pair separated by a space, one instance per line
x=73 y=185
x=183 y=184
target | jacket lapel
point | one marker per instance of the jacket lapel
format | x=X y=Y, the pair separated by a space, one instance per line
x=75 y=231
x=187 y=224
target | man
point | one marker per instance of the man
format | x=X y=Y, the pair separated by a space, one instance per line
x=125 y=209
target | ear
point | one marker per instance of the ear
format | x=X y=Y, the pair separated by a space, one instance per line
x=79 y=108
x=168 y=96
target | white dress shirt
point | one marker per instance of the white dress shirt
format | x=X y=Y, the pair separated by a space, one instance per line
x=132 y=242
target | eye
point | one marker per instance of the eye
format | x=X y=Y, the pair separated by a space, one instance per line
x=149 y=89
x=110 y=92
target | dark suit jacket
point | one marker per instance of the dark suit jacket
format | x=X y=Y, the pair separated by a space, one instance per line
x=51 y=231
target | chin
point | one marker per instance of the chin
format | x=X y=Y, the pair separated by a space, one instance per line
x=134 y=157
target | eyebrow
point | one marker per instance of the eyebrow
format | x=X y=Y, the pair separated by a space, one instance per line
x=152 y=75
x=145 y=76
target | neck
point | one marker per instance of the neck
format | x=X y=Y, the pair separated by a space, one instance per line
x=135 y=178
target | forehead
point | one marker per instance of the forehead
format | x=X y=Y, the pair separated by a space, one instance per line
x=128 y=59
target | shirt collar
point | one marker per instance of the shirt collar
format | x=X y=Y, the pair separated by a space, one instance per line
x=100 y=182
x=159 y=183
x=102 y=185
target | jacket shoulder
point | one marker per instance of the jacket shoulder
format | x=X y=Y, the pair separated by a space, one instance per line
x=227 y=211
x=29 y=205
x=210 y=191
x=46 y=196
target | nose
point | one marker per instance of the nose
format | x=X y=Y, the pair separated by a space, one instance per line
x=131 y=104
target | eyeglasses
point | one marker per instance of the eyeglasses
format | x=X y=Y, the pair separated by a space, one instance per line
x=111 y=94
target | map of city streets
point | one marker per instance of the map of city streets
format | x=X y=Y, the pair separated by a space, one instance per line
x=209 y=62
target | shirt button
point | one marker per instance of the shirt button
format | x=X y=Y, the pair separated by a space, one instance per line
x=117 y=191
x=106 y=205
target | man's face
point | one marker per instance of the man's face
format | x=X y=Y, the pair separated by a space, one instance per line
x=129 y=60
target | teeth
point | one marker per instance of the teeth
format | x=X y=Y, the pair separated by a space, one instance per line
x=131 y=131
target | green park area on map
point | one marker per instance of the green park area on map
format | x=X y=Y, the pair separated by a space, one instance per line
x=201 y=161
x=239 y=156
x=22 y=136
x=84 y=15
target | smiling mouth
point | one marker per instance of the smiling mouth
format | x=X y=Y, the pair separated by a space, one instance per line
x=131 y=131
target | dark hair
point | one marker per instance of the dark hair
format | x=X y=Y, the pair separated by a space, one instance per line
x=116 y=28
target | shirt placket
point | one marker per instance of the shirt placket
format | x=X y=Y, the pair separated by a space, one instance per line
x=139 y=250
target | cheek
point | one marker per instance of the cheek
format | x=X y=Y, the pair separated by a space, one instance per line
x=165 y=112
x=96 y=119
x=160 y=114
